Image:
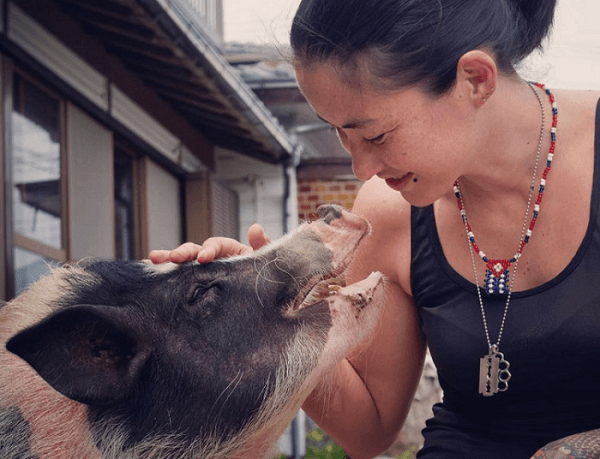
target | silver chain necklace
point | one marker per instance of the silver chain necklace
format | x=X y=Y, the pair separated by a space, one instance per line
x=494 y=371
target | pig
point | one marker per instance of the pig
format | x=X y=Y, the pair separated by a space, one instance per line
x=118 y=359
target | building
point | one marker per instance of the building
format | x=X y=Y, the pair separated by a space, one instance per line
x=124 y=130
x=324 y=168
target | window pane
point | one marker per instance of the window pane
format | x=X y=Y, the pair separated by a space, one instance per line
x=36 y=164
x=29 y=267
x=124 y=229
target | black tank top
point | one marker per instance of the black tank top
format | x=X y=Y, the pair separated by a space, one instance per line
x=551 y=339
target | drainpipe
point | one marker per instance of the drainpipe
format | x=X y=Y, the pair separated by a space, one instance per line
x=291 y=161
x=298 y=436
x=297 y=427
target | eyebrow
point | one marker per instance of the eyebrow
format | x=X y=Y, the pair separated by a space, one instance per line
x=353 y=124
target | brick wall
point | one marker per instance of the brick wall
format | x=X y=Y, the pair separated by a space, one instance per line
x=312 y=193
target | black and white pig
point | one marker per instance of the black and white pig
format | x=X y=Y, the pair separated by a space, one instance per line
x=114 y=360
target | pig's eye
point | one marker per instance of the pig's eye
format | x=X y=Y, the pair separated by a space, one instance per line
x=203 y=293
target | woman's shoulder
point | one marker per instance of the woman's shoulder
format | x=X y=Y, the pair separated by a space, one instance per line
x=577 y=101
x=382 y=206
x=389 y=215
x=577 y=120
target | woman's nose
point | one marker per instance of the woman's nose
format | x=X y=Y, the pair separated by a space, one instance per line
x=365 y=165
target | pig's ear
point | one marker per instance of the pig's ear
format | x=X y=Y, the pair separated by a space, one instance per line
x=90 y=354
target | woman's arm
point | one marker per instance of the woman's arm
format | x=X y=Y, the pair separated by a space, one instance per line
x=366 y=403
x=585 y=445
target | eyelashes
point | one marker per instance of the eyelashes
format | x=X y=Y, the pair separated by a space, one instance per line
x=203 y=293
x=378 y=140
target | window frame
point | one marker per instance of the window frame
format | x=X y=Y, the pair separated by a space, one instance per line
x=122 y=147
x=13 y=239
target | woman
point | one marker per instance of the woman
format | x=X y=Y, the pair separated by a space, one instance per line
x=460 y=158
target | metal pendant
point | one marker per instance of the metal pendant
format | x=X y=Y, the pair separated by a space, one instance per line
x=494 y=373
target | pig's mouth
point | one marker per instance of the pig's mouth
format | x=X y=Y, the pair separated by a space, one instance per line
x=359 y=295
x=319 y=291
x=342 y=237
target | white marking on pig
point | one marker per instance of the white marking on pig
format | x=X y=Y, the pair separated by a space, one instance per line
x=62 y=426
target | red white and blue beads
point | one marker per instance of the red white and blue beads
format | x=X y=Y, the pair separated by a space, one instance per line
x=497 y=271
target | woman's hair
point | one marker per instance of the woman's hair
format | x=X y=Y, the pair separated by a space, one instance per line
x=408 y=42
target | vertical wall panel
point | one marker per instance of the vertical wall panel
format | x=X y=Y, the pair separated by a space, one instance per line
x=225 y=211
x=260 y=188
x=163 y=205
x=198 y=211
x=90 y=176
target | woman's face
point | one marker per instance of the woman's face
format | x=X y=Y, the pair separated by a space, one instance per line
x=419 y=145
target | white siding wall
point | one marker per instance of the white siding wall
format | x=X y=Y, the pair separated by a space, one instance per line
x=260 y=187
x=91 y=209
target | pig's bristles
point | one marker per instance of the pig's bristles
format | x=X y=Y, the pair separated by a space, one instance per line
x=228 y=390
x=260 y=275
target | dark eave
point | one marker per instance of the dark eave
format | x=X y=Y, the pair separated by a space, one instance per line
x=163 y=44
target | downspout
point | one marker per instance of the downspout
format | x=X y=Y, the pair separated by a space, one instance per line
x=291 y=161
x=286 y=195
x=297 y=427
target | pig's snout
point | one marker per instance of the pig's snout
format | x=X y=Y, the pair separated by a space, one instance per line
x=329 y=212
x=335 y=215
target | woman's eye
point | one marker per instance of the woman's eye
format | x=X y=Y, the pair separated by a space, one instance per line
x=377 y=140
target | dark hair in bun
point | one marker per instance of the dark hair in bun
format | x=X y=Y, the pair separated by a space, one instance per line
x=406 y=42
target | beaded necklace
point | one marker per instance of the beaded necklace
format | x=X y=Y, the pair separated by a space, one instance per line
x=494 y=369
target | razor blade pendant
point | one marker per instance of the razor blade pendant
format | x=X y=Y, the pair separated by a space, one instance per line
x=493 y=373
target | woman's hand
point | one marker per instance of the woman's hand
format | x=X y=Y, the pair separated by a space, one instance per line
x=212 y=248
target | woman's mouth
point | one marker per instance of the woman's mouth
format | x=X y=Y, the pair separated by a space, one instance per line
x=398 y=184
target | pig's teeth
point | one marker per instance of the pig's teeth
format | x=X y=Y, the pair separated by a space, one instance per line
x=322 y=290
x=341 y=281
x=334 y=288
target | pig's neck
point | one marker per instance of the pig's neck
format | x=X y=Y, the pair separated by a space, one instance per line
x=263 y=444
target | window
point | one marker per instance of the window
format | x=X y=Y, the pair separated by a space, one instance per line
x=124 y=206
x=37 y=191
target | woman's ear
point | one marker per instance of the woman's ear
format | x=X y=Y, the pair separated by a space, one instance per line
x=476 y=77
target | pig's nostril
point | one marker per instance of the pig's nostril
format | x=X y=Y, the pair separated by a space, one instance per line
x=330 y=212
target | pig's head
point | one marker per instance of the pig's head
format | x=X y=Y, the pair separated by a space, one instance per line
x=215 y=357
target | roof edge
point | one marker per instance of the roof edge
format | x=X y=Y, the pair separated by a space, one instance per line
x=176 y=18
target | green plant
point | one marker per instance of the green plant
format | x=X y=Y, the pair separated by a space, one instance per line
x=320 y=446
x=408 y=454
x=324 y=449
